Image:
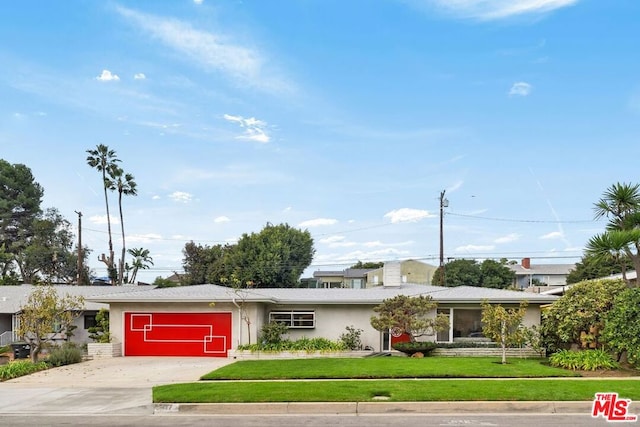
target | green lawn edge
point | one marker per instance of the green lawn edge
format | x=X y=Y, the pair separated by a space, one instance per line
x=409 y=390
x=387 y=367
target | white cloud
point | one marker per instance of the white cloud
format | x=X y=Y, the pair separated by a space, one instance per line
x=156 y=197
x=520 y=89
x=143 y=238
x=139 y=76
x=318 y=222
x=107 y=76
x=508 y=238
x=407 y=215
x=254 y=129
x=102 y=219
x=181 y=196
x=332 y=239
x=213 y=51
x=198 y=1
x=487 y=10
x=221 y=219
x=552 y=235
x=474 y=248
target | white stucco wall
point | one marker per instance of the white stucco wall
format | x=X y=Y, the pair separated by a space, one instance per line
x=331 y=320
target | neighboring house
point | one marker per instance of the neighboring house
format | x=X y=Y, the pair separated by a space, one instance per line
x=12 y=298
x=411 y=271
x=352 y=278
x=531 y=275
x=209 y=320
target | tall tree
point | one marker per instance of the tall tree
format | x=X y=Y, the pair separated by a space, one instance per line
x=125 y=185
x=275 y=257
x=20 y=198
x=620 y=203
x=103 y=160
x=48 y=253
x=460 y=272
x=141 y=261
x=496 y=274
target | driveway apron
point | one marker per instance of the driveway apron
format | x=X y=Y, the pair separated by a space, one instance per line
x=120 y=385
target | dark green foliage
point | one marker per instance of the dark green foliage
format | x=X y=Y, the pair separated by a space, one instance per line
x=496 y=274
x=465 y=272
x=585 y=360
x=100 y=332
x=592 y=267
x=368 y=265
x=19 y=368
x=67 y=354
x=161 y=282
x=273 y=258
x=582 y=307
x=622 y=326
x=271 y=333
x=351 y=338
x=411 y=348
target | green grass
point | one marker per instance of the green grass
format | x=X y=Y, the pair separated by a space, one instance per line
x=396 y=390
x=386 y=367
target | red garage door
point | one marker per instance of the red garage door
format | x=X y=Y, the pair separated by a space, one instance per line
x=177 y=334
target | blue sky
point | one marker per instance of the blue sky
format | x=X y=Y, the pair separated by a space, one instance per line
x=344 y=118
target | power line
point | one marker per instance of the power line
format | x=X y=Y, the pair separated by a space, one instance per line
x=539 y=221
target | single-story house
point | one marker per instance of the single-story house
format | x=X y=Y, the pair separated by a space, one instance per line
x=12 y=298
x=210 y=320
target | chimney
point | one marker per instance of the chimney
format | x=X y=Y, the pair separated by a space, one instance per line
x=526 y=263
x=391 y=274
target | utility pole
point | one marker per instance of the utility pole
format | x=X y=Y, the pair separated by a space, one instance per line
x=443 y=204
x=79 y=248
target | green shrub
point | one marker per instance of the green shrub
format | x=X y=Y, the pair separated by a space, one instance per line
x=409 y=348
x=302 y=344
x=67 y=354
x=585 y=360
x=19 y=368
x=271 y=333
x=351 y=339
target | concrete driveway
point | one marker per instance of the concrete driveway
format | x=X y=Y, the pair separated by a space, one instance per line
x=120 y=385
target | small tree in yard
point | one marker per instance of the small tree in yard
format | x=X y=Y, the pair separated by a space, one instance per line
x=410 y=315
x=46 y=314
x=503 y=325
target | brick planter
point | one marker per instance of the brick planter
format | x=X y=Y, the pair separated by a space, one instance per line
x=97 y=350
x=485 y=352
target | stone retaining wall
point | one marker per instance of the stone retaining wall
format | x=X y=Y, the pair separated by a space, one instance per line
x=485 y=352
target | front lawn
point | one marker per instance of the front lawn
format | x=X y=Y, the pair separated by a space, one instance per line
x=386 y=367
x=396 y=390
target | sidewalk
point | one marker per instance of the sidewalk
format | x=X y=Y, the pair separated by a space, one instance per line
x=374 y=408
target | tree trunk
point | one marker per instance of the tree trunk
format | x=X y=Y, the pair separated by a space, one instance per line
x=503 y=341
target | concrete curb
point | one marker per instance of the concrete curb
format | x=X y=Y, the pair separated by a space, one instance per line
x=374 y=408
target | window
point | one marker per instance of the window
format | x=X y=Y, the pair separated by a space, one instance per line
x=89 y=321
x=294 y=319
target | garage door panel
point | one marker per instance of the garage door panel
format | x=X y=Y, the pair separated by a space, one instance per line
x=177 y=334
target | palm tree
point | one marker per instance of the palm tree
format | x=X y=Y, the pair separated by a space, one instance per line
x=125 y=185
x=103 y=160
x=621 y=204
x=141 y=261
